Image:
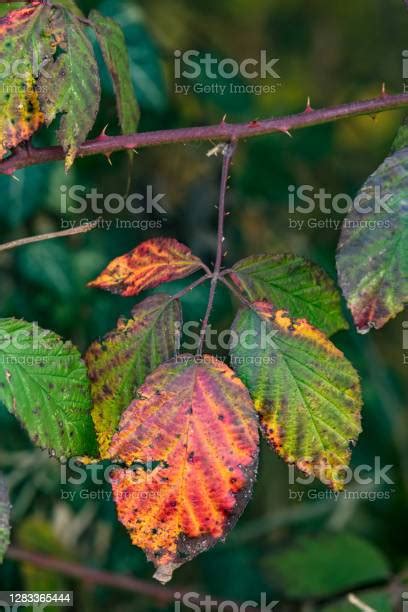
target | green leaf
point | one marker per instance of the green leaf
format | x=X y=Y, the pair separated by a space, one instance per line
x=26 y=44
x=71 y=84
x=119 y=364
x=112 y=42
x=145 y=62
x=306 y=392
x=372 y=258
x=4 y=518
x=291 y=282
x=401 y=139
x=44 y=383
x=324 y=565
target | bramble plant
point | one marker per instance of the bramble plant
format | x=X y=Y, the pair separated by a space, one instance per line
x=136 y=397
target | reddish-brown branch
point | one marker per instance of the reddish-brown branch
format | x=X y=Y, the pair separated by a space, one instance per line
x=92 y=576
x=99 y=577
x=227 y=132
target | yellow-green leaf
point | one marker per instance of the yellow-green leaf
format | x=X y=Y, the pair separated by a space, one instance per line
x=26 y=46
x=119 y=364
x=306 y=392
x=71 y=84
x=291 y=282
x=112 y=42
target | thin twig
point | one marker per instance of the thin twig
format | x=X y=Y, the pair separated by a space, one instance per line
x=228 y=153
x=93 y=576
x=193 y=285
x=216 y=133
x=103 y=578
x=236 y=292
x=87 y=227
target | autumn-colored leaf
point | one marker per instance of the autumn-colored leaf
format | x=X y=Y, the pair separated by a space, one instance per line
x=119 y=364
x=26 y=45
x=306 y=392
x=5 y=8
x=153 y=262
x=372 y=257
x=112 y=42
x=71 y=84
x=196 y=418
x=291 y=282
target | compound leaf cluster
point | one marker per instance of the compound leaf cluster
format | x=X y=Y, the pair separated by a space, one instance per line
x=52 y=71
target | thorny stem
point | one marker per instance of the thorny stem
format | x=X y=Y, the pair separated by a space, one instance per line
x=87 y=227
x=25 y=156
x=222 y=132
x=228 y=153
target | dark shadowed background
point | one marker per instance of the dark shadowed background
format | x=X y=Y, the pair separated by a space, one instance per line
x=333 y=52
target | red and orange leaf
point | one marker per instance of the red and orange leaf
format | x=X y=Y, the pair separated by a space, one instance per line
x=26 y=44
x=196 y=418
x=153 y=262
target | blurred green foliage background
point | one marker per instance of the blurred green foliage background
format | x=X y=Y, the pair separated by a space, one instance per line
x=333 y=52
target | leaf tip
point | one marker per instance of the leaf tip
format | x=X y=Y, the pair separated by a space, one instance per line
x=164 y=573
